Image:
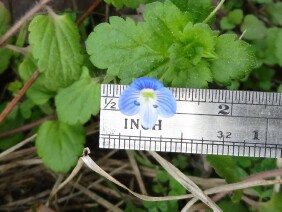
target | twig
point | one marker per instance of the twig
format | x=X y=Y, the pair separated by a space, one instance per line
x=22 y=50
x=263 y=175
x=251 y=202
x=17 y=146
x=27 y=126
x=29 y=14
x=214 y=11
x=17 y=98
x=88 y=11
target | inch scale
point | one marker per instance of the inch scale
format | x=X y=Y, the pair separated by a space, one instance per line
x=217 y=122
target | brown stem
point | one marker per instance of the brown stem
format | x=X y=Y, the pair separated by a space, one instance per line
x=27 y=16
x=88 y=11
x=263 y=175
x=17 y=98
x=26 y=127
x=250 y=202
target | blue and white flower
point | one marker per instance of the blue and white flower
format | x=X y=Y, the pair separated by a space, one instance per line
x=150 y=99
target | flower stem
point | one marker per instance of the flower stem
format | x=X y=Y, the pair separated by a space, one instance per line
x=214 y=11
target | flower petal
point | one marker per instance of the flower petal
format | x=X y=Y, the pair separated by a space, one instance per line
x=148 y=115
x=128 y=102
x=145 y=82
x=166 y=103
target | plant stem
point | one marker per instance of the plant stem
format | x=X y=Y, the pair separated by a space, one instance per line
x=26 y=127
x=26 y=17
x=17 y=98
x=88 y=11
x=214 y=11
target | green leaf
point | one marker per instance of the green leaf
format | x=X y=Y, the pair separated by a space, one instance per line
x=235 y=16
x=255 y=28
x=26 y=108
x=113 y=44
x=232 y=207
x=169 y=47
x=226 y=168
x=237 y=54
x=6 y=54
x=38 y=92
x=274 y=46
x=76 y=103
x=274 y=11
x=15 y=86
x=13 y=120
x=59 y=145
x=279 y=89
x=128 y=3
x=199 y=10
x=55 y=43
x=273 y=205
x=226 y=24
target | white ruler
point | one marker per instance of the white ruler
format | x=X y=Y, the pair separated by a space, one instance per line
x=218 y=122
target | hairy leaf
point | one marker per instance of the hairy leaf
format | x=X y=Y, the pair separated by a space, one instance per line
x=76 y=103
x=255 y=29
x=55 y=43
x=235 y=59
x=59 y=144
x=167 y=44
x=199 y=10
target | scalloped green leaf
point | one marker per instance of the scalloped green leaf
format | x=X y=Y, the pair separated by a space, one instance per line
x=235 y=59
x=5 y=20
x=55 y=43
x=199 y=10
x=76 y=103
x=60 y=145
x=255 y=28
x=165 y=45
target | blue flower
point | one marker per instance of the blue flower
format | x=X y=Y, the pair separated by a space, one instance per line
x=150 y=99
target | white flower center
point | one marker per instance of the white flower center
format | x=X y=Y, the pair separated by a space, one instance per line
x=148 y=96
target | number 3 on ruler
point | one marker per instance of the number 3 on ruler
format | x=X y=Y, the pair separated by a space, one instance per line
x=109 y=103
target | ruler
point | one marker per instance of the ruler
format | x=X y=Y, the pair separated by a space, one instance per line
x=207 y=121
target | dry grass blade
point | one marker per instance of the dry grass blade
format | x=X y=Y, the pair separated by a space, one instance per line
x=69 y=178
x=136 y=172
x=185 y=181
x=17 y=146
x=97 y=198
x=94 y=166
